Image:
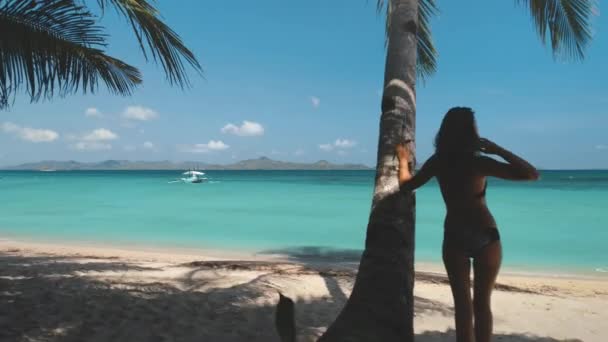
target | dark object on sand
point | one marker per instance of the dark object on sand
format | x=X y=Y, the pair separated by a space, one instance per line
x=285 y=319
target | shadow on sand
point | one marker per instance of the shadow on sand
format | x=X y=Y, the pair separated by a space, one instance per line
x=64 y=299
x=450 y=335
x=347 y=260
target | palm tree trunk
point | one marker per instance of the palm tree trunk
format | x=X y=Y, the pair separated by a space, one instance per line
x=381 y=306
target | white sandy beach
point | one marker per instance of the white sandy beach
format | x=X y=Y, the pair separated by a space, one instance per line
x=52 y=292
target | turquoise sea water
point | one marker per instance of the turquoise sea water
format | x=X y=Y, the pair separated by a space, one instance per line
x=557 y=223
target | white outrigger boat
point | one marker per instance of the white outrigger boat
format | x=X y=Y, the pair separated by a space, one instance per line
x=193 y=177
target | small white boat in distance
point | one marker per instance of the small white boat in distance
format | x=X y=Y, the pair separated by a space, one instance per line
x=194 y=177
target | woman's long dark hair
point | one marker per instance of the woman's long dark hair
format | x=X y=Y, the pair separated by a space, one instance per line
x=457 y=141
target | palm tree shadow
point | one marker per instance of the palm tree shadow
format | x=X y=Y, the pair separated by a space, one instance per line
x=334 y=289
x=333 y=264
x=61 y=299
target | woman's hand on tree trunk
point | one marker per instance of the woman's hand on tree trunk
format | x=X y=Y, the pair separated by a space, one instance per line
x=402 y=152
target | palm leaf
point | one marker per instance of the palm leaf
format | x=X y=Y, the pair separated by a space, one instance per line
x=156 y=38
x=568 y=23
x=426 y=54
x=55 y=46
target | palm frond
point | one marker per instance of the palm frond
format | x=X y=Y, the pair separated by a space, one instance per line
x=156 y=38
x=426 y=54
x=568 y=23
x=55 y=46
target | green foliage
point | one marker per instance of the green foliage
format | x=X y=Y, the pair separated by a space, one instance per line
x=56 y=47
x=156 y=37
x=426 y=54
x=568 y=22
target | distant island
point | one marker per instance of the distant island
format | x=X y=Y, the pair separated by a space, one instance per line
x=262 y=163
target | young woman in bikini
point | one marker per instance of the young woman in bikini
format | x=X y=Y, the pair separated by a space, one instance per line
x=470 y=232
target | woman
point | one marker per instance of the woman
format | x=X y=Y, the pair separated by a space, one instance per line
x=470 y=232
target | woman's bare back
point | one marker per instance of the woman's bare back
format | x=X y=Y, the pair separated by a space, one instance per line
x=464 y=193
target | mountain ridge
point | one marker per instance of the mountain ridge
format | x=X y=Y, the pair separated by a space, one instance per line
x=261 y=163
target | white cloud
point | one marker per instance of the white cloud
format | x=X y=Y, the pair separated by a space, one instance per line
x=93 y=112
x=247 y=129
x=95 y=140
x=148 y=145
x=91 y=146
x=38 y=135
x=217 y=145
x=100 y=134
x=34 y=135
x=345 y=143
x=601 y=147
x=139 y=113
x=339 y=144
x=212 y=145
x=129 y=148
x=326 y=147
x=299 y=152
x=315 y=101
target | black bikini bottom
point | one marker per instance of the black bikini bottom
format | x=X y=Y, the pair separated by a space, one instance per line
x=470 y=240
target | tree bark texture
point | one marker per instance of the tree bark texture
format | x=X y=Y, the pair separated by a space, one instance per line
x=381 y=306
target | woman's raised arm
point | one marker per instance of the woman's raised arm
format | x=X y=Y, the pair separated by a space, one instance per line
x=516 y=169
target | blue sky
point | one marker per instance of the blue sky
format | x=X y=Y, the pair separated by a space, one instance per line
x=306 y=77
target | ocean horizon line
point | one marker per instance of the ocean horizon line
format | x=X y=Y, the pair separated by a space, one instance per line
x=368 y=168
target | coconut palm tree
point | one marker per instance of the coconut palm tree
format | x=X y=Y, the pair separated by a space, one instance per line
x=56 y=47
x=380 y=307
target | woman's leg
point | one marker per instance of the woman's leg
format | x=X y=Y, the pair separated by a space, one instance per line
x=458 y=267
x=486 y=265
